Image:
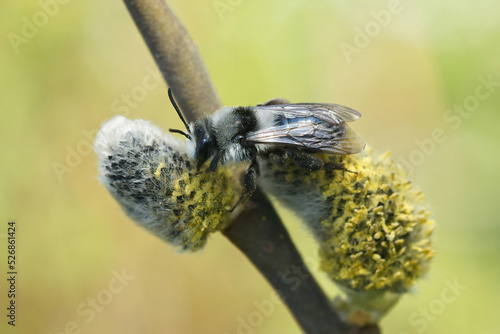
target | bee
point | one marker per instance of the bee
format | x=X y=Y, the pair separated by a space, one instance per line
x=275 y=130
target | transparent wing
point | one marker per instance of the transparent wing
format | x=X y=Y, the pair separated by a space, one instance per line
x=331 y=113
x=316 y=127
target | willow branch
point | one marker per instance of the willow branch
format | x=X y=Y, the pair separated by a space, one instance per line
x=257 y=230
x=177 y=57
x=260 y=235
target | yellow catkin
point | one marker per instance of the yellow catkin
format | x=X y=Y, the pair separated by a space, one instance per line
x=377 y=223
x=202 y=200
x=158 y=170
x=376 y=234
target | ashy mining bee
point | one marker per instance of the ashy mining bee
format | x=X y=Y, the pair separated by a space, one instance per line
x=274 y=130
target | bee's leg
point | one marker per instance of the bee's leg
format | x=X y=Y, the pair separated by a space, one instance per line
x=307 y=161
x=249 y=182
x=337 y=166
x=313 y=163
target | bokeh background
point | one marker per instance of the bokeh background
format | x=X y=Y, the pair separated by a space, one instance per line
x=87 y=62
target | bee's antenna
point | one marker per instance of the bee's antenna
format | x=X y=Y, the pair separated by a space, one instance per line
x=181 y=132
x=171 y=97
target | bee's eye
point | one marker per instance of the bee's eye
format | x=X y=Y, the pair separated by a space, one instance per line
x=203 y=145
x=205 y=142
x=204 y=150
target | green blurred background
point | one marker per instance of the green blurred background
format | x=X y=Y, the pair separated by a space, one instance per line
x=75 y=70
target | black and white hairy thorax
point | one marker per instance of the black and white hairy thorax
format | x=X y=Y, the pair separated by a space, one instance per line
x=226 y=133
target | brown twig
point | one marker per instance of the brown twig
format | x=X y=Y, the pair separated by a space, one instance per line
x=177 y=57
x=257 y=231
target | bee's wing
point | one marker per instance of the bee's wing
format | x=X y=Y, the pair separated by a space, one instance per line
x=331 y=113
x=317 y=127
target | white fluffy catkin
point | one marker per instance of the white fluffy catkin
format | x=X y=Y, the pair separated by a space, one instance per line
x=150 y=174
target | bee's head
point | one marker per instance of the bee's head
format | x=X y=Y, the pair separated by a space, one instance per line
x=201 y=138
